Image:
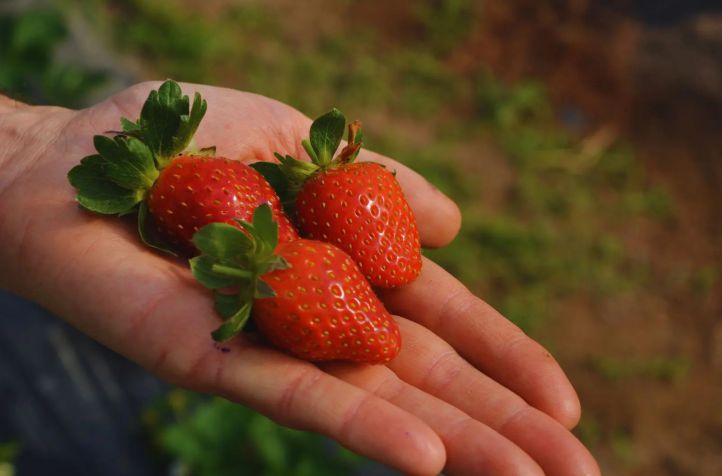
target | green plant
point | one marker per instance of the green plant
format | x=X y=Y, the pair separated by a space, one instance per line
x=665 y=369
x=29 y=69
x=214 y=437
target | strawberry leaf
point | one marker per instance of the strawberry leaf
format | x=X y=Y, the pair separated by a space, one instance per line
x=145 y=227
x=263 y=290
x=233 y=324
x=189 y=124
x=224 y=243
x=309 y=150
x=97 y=192
x=277 y=262
x=128 y=125
x=203 y=270
x=226 y=304
x=266 y=229
x=326 y=134
x=232 y=263
x=166 y=124
x=278 y=181
x=129 y=162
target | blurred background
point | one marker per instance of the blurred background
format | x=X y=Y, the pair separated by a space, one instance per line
x=581 y=138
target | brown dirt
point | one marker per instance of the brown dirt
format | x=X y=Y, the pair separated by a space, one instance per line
x=662 y=90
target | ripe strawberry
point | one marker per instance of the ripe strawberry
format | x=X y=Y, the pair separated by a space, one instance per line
x=308 y=298
x=195 y=190
x=142 y=169
x=358 y=207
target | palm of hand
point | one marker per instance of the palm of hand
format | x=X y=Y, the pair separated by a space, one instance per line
x=430 y=408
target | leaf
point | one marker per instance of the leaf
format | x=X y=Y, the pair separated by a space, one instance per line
x=234 y=324
x=326 y=134
x=128 y=125
x=226 y=304
x=263 y=290
x=279 y=182
x=266 y=228
x=278 y=262
x=129 y=162
x=309 y=150
x=166 y=123
x=145 y=230
x=189 y=124
x=272 y=173
x=202 y=269
x=222 y=241
x=96 y=192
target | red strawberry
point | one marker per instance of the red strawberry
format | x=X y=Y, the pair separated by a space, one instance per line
x=361 y=208
x=358 y=207
x=142 y=169
x=195 y=190
x=309 y=298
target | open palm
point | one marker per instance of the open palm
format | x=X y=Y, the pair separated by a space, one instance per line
x=469 y=392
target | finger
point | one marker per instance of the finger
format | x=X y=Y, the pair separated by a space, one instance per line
x=487 y=340
x=437 y=216
x=300 y=395
x=471 y=446
x=433 y=366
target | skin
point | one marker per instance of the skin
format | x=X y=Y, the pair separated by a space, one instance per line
x=469 y=393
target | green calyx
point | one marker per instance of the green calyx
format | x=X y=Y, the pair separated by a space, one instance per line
x=167 y=121
x=289 y=174
x=232 y=262
x=116 y=180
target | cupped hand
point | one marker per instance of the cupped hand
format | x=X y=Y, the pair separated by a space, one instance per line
x=469 y=393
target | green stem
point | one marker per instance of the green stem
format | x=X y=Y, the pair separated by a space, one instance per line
x=231 y=271
x=310 y=151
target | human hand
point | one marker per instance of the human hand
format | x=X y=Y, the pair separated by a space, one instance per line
x=469 y=392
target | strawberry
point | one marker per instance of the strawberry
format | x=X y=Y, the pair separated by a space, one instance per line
x=357 y=206
x=145 y=169
x=306 y=297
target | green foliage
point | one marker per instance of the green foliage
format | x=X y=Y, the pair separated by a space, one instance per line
x=623 y=447
x=589 y=431
x=29 y=70
x=446 y=22
x=170 y=37
x=214 y=437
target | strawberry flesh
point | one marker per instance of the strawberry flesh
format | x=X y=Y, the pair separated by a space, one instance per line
x=324 y=308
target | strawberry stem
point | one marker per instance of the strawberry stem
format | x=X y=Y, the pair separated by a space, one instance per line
x=231 y=271
x=310 y=151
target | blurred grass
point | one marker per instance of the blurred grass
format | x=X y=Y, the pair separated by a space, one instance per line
x=551 y=232
x=214 y=437
x=29 y=67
